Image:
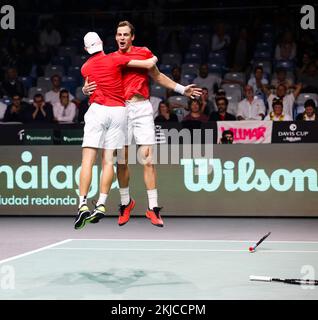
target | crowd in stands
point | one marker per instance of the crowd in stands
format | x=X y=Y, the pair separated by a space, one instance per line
x=264 y=70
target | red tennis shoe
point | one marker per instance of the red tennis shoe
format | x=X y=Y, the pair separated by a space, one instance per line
x=124 y=212
x=154 y=216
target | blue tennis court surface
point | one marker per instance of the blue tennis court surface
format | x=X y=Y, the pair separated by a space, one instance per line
x=161 y=269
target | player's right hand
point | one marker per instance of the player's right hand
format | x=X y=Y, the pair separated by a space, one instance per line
x=89 y=87
x=192 y=91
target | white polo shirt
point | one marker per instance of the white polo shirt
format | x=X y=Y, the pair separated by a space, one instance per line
x=251 y=111
x=288 y=103
x=64 y=114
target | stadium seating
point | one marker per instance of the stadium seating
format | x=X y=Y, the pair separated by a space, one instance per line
x=263 y=55
x=51 y=70
x=64 y=61
x=239 y=76
x=288 y=65
x=75 y=72
x=158 y=91
x=44 y=83
x=166 y=68
x=217 y=57
x=202 y=38
x=187 y=78
x=215 y=68
x=193 y=58
x=233 y=90
x=27 y=82
x=78 y=60
x=67 y=51
x=171 y=58
x=35 y=90
x=70 y=83
x=190 y=68
x=182 y=101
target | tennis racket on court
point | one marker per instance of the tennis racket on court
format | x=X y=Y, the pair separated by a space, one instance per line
x=289 y=281
x=253 y=248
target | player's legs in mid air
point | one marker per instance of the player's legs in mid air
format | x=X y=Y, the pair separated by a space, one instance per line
x=141 y=127
x=105 y=185
x=88 y=160
x=104 y=129
x=127 y=203
x=114 y=139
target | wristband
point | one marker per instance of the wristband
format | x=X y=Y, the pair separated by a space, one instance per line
x=179 y=89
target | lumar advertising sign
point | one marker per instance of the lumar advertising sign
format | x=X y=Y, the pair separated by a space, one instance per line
x=248 y=180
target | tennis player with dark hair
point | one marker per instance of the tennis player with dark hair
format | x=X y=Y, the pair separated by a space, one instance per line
x=140 y=120
x=105 y=121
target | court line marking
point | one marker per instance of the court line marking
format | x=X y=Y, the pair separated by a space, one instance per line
x=35 y=251
x=197 y=240
x=185 y=250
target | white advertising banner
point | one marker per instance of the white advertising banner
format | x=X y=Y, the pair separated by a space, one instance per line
x=247 y=131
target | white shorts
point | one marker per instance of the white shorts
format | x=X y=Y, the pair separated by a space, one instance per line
x=105 y=127
x=141 y=124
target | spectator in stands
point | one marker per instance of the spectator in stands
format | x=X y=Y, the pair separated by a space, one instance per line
x=310 y=79
x=286 y=48
x=220 y=40
x=53 y=96
x=64 y=110
x=12 y=85
x=232 y=106
x=281 y=79
x=16 y=112
x=258 y=82
x=288 y=99
x=252 y=107
x=195 y=112
x=165 y=114
x=206 y=80
x=40 y=111
x=207 y=105
x=277 y=113
x=221 y=114
x=50 y=37
x=3 y=108
x=227 y=137
x=310 y=113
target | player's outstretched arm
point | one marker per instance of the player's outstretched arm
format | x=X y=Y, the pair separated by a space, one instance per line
x=145 y=64
x=191 y=91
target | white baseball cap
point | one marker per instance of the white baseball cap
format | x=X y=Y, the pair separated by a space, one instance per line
x=93 y=42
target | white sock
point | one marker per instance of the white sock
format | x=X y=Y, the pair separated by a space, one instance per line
x=82 y=200
x=124 y=196
x=152 y=198
x=102 y=199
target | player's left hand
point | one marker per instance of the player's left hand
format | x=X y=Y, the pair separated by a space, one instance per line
x=192 y=91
